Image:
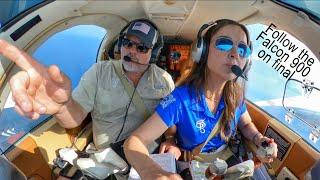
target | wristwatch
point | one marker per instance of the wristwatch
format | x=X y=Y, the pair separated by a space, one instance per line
x=170 y=138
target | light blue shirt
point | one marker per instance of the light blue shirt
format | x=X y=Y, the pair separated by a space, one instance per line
x=193 y=119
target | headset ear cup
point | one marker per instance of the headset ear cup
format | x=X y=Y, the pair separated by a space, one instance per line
x=156 y=50
x=204 y=52
x=197 y=49
x=155 y=54
x=117 y=46
x=248 y=64
x=247 y=67
x=112 y=49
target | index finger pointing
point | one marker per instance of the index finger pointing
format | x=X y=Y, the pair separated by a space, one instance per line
x=22 y=59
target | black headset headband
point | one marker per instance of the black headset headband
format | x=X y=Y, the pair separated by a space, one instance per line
x=202 y=28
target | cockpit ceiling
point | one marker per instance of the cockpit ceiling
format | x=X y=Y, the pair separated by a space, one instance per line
x=206 y=11
x=182 y=18
x=173 y=17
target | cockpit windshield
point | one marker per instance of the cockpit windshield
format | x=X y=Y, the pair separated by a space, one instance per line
x=311 y=7
x=271 y=86
x=11 y=9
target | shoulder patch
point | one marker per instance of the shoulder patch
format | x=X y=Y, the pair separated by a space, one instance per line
x=167 y=101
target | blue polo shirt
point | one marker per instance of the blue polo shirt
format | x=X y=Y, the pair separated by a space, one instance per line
x=193 y=119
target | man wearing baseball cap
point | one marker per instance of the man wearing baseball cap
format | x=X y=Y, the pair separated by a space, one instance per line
x=143 y=35
x=118 y=94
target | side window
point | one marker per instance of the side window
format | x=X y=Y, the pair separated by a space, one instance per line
x=277 y=57
x=73 y=50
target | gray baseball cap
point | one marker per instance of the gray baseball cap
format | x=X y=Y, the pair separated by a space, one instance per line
x=147 y=34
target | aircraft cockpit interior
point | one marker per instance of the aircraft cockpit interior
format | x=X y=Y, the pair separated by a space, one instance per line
x=281 y=87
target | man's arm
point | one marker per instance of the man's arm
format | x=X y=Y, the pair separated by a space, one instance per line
x=81 y=102
x=71 y=114
x=38 y=89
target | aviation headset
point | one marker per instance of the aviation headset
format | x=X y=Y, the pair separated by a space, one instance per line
x=200 y=50
x=156 y=49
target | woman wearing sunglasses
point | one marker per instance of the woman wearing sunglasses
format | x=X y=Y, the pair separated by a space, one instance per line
x=211 y=93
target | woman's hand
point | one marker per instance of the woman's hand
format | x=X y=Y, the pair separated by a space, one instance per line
x=170 y=146
x=36 y=89
x=160 y=174
x=136 y=151
x=272 y=144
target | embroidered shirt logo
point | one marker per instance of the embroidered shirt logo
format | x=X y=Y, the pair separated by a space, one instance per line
x=200 y=124
x=167 y=100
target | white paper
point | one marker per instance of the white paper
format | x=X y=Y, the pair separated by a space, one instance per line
x=166 y=161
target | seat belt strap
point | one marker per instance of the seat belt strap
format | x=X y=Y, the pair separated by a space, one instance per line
x=213 y=133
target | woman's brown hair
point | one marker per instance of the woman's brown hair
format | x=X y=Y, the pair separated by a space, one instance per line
x=233 y=92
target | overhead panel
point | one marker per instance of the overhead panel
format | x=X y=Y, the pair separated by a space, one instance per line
x=206 y=11
x=126 y=9
x=169 y=15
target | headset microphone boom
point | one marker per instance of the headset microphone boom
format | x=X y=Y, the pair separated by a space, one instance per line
x=238 y=72
x=129 y=59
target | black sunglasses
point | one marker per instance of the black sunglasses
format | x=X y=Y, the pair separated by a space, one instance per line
x=140 y=47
